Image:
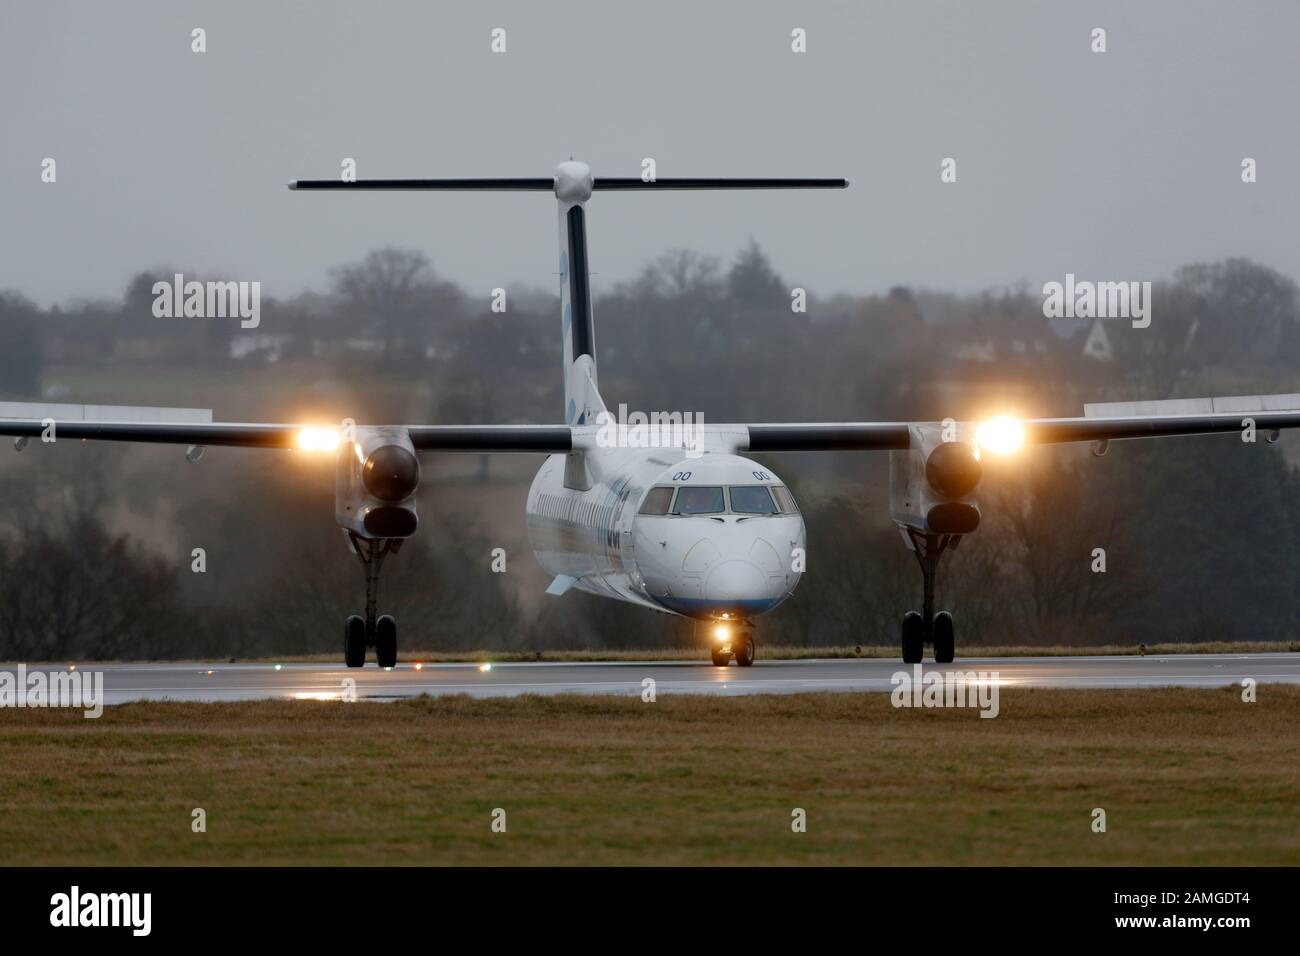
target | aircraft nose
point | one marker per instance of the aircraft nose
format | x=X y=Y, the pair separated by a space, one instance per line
x=736 y=581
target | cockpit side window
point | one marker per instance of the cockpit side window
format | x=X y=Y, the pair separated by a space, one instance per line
x=700 y=500
x=657 y=502
x=784 y=500
x=751 y=500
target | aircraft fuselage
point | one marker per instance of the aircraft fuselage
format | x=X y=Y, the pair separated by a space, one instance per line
x=721 y=535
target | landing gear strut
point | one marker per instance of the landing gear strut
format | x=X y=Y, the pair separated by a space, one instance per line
x=374 y=630
x=927 y=626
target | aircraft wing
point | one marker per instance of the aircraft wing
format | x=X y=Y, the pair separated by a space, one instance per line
x=1101 y=422
x=187 y=426
x=450 y=438
x=1269 y=413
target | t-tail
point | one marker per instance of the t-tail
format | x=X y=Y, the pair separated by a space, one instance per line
x=573 y=185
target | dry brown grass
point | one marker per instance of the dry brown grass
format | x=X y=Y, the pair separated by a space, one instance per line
x=1185 y=776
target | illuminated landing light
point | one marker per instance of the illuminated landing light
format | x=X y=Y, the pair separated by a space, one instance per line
x=209 y=673
x=315 y=695
x=72 y=667
x=485 y=668
x=419 y=666
x=721 y=632
x=1000 y=436
x=278 y=666
x=318 y=439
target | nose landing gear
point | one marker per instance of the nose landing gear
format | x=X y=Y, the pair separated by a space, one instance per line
x=927 y=626
x=374 y=630
x=730 y=638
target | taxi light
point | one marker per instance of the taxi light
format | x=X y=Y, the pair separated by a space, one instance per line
x=721 y=632
x=318 y=439
x=1002 y=435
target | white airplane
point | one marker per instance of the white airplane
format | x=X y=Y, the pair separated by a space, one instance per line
x=666 y=513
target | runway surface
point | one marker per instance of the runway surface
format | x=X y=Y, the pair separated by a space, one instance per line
x=217 y=682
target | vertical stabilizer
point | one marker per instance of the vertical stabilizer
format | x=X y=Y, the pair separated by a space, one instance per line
x=582 y=401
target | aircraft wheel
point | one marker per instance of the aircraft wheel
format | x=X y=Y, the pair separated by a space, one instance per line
x=354 y=642
x=745 y=652
x=720 y=658
x=945 y=641
x=386 y=640
x=913 y=637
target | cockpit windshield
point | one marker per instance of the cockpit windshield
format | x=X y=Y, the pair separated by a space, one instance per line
x=784 y=500
x=657 y=501
x=700 y=500
x=751 y=500
x=715 y=500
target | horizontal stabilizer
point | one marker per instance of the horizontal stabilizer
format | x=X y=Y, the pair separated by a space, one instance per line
x=545 y=184
x=705 y=182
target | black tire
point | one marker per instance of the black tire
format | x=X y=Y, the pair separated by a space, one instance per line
x=386 y=640
x=354 y=642
x=944 y=638
x=913 y=637
x=745 y=652
x=720 y=658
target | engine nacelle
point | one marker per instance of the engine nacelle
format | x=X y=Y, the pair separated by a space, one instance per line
x=932 y=484
x=375 y=485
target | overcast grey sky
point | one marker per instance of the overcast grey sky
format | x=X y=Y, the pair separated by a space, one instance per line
x=1123 y=165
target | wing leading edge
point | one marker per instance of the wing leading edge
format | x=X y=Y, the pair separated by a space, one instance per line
x=882 y=436
x=544 y=439
x=1106 y=421
x=1267 y=413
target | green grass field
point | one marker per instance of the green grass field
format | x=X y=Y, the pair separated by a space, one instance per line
x=1185 y=777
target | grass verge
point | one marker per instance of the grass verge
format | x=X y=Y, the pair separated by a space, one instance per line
x=1185 y=777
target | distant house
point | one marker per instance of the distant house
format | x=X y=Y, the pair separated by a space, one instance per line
x=1097 y=344
x=1090 y=340
x=1000 y=339
x=265 y=347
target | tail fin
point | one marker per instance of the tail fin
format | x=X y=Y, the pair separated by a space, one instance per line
x=582 y=401
x=573 y=185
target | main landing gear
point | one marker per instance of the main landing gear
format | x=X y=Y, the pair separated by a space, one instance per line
x=379 y=632
x=928 y=627
x=730 y=638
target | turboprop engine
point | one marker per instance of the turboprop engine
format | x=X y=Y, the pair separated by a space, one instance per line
x=374 y=489
x=932 y=483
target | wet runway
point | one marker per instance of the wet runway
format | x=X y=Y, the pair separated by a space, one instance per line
x=217 y=682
